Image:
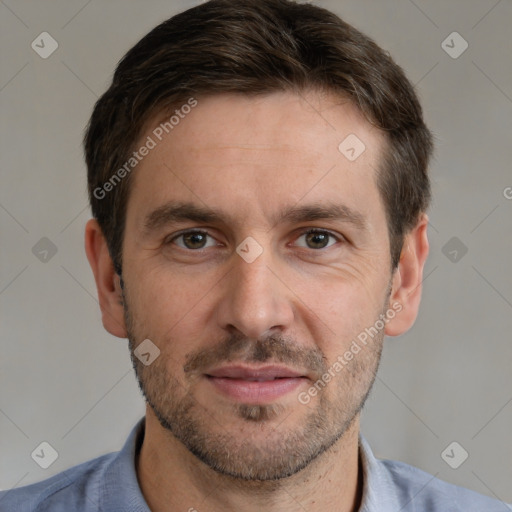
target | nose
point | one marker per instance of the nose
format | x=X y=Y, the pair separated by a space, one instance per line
x=255 y=299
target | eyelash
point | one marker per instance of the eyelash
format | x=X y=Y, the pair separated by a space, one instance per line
x=338 y=238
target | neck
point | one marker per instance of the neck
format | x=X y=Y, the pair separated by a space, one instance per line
x=173 y=479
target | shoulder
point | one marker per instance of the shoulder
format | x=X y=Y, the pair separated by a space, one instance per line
x=75 y=489
x=419 y=490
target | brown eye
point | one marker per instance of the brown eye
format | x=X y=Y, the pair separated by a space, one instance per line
x=192 y=240
x=318 y=239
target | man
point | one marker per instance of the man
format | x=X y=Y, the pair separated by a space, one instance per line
x=258 y=178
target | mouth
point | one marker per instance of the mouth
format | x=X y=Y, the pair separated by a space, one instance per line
x=255 y=385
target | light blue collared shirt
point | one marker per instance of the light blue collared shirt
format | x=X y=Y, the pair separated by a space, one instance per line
x=109 y=484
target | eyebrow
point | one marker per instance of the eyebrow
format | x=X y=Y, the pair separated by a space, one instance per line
x=177 y=211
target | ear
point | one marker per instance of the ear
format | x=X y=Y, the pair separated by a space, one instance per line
x=407 y=279
x=107 y=281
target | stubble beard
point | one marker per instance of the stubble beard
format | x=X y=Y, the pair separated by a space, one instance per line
x=285 y=451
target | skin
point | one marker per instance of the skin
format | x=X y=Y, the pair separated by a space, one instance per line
x=300 y=303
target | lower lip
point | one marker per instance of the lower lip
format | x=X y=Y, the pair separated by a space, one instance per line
x=254 y=391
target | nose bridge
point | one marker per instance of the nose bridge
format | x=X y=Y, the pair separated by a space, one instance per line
x=253 y=278
x=254 y=300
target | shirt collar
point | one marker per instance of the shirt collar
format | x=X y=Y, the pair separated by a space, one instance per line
x=379 y=491
x=120 y=490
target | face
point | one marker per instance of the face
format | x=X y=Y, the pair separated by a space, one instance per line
x=255 y=253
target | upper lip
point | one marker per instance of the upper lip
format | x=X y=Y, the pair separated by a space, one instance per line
x=251 y=373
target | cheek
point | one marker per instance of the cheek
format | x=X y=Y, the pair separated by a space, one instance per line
x=170 y=307
x=153 y=306
x=339 y=310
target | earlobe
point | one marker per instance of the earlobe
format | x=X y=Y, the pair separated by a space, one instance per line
x=107 y=281
x=407 y=279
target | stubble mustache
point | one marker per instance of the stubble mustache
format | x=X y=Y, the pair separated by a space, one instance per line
x=275 y=349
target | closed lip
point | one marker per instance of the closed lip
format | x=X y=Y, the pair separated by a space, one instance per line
x=263 y=373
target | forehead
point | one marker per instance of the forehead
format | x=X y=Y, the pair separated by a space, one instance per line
x=311 y=121
x=255 y=153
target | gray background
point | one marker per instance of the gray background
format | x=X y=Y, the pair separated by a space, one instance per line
x=64 y=380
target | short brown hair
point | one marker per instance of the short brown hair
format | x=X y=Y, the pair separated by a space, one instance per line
x=258 y=47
